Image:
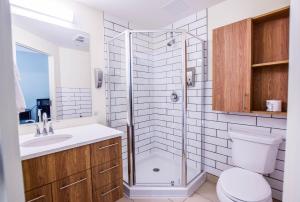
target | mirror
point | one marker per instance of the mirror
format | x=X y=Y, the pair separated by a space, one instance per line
x=54 y=66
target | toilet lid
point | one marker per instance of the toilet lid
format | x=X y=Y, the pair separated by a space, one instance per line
x=244 y=185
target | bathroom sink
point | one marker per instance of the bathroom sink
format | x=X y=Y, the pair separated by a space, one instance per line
x=46 y=140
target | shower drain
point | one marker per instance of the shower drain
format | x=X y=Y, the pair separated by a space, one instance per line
x=156 y=169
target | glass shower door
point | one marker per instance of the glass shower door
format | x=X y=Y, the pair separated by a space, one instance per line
x=156 y=60
x=195 y=106
x=117 y=92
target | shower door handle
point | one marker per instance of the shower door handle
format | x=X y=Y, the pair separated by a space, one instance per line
x=131 y=154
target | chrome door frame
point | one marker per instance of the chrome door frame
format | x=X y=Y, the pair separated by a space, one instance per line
x=184 y=113
x=130 y=110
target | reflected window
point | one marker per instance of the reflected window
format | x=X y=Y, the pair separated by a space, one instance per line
x=34 y=72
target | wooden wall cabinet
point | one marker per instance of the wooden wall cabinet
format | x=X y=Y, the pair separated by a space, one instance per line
x=84 y=174
x=232 y=67
x=250 y=63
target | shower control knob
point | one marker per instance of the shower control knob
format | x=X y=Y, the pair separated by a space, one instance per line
x=174 y=97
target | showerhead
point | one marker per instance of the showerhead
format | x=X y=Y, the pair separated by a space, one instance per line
x=172 y=42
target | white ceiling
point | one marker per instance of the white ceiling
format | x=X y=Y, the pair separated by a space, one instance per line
x=150 y=13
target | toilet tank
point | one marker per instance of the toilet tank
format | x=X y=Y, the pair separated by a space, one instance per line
x=256 y=152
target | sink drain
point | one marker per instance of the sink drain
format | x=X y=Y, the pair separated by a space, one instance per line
x=156 y=170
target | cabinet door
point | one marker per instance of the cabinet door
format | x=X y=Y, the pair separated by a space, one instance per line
x=232 y=67
x=107 y=173
x=109 y=193
x=46 y=169
x=76 y=188
x=38 y=172
x=42 y=194
x=71 y=161
x=106 y=151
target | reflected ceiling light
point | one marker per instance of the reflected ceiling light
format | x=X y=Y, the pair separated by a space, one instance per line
x=42 y=10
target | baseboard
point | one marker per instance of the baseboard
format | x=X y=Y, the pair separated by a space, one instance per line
x=212 y=178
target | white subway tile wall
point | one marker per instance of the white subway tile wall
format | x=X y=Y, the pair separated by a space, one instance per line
x=73 y=102
x=157 y=73
x=142 y=64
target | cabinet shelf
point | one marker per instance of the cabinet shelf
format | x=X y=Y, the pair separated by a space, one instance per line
x=270 y=113
x=267 y=64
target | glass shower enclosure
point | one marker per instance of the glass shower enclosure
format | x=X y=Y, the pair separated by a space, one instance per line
x=154 y=93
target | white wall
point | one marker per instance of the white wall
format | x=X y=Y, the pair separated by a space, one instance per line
x=230 y=11
x=11 y=179
x=292 y=165
x=74 y=68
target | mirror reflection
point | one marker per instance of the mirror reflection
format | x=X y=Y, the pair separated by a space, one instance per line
x=53 y=63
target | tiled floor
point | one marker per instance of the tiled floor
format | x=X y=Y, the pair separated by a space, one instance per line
x=206 y=193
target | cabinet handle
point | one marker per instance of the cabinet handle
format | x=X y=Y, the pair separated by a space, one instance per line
x=64 y=187
x=104 y=171
x=111 y=145
x=244 y=101
x=37 y=198
x=104 y=194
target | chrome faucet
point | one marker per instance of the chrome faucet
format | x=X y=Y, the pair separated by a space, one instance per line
x=37 y=130
x=45 y=123
x=51 y=130
x=47 y=127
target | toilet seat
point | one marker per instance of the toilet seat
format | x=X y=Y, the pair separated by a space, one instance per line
x=241 y=185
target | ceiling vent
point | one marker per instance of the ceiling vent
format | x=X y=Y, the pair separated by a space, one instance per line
x=176 y=7
x=79 y=39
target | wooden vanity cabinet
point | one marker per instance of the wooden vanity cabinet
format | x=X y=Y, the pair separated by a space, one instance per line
x=83 y=174
x=250 y=63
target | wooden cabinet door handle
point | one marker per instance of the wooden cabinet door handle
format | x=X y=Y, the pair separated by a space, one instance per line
x=244 y=101
x=111 y=145
x=105 y=193
x=69 y=185
x=104 y=171
x=37 y=198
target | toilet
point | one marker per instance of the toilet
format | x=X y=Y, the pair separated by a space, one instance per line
x=253 y=154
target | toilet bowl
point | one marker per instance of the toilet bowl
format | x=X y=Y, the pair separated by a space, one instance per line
x=240 y=185
x=253 y=154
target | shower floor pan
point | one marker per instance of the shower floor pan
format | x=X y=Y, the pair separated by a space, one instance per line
x=159 y=176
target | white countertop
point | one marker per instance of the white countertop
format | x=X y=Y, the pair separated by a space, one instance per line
x=82 y=135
